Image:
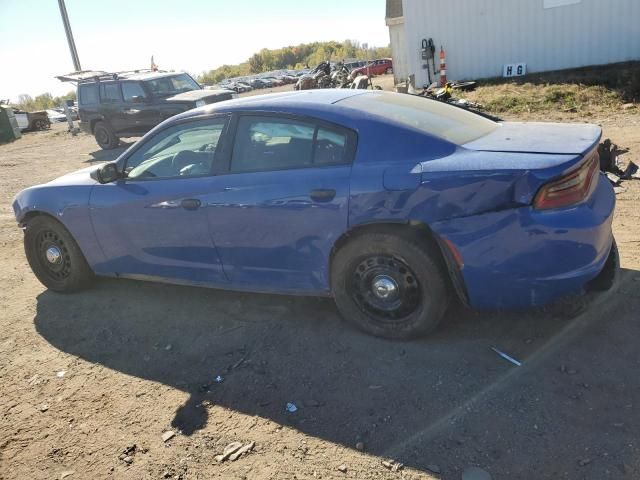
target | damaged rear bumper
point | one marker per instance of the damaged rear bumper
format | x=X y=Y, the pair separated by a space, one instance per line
x=523 y=257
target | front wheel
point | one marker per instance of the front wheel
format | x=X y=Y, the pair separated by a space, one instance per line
x=54 y=256
x=389 y=285
x=389 y=71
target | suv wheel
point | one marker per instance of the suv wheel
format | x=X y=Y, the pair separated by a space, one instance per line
x=389 y=71
x=105 y=136
x=389 y=285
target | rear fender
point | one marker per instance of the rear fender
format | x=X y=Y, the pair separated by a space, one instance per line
x=474 y=182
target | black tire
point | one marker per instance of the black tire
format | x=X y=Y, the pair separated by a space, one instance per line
x=418 y=284
x=105 y=136
x=64 y=269
x=389 y=71
x=40 y=125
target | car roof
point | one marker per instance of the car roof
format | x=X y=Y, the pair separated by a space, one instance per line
x=307 y=102
x=328 y=105
x=274 y=101
x=323 y=104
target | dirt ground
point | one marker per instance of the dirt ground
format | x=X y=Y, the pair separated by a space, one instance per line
x=91 y=381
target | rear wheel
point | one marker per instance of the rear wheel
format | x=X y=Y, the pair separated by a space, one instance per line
x=105 y=136
x=389 y=71
x=389 y=285
x=54 y=256
x=40 y=125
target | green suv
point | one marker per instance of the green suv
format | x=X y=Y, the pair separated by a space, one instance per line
x=129 y=104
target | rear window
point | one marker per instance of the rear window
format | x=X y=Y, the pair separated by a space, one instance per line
x=88 y=94
x=273 y=143
x=453 y=124
x=109 y=92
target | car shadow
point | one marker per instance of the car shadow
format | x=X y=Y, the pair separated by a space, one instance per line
x=109 y=155
x=270 y=350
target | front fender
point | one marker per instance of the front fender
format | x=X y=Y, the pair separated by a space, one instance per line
x=69 y=206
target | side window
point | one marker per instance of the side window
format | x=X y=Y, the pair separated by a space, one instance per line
x=184 y=150
x=87 y=94
x=132 y=91
x=269 y=143
x=330 y=148
x=109 y=92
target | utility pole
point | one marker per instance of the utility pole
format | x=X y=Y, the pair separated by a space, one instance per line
x=67 y=29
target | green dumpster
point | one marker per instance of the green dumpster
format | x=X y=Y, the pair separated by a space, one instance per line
x=9 y=130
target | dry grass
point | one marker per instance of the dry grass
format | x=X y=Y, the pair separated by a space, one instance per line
x=530 y=98
x=588 y=92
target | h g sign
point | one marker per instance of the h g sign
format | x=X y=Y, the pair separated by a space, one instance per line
x=514 y=70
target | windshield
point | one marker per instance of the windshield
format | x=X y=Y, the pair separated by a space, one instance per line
x=172 y=85
x=453 y=124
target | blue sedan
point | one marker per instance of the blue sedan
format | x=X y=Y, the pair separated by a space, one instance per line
x=390 y=203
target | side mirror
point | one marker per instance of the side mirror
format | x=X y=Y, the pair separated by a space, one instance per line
x=107 y=173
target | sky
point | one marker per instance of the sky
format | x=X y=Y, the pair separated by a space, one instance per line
x=189 y=35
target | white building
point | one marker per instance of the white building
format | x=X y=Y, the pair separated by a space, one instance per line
x=481 y=37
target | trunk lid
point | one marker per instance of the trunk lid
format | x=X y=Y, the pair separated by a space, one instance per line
x=507 y=167
x=536 y=137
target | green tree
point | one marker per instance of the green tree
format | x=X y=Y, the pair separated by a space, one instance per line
x=256 y=63
x=293 y=56
x=43 y=101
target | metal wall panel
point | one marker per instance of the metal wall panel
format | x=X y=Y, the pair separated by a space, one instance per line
x=481 y=36
x=399 y=51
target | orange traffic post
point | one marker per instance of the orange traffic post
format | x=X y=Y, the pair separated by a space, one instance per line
x=443 y=68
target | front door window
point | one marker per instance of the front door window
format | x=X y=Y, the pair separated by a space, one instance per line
x=184 y=150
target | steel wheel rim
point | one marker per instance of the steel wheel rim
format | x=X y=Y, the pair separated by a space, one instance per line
x=53 y=255
x=385 y=288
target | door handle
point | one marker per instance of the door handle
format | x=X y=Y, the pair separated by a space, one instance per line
x=322 y=194
x=131 y=111
x=190 y=203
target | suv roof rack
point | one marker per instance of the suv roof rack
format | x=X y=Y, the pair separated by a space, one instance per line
x=97 y=75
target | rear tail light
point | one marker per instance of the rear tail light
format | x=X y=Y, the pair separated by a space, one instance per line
x=571 y=189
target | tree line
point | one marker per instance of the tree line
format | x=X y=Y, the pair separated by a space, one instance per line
x=293 y=57
x=43 y=101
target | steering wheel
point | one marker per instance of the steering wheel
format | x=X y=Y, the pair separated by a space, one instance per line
x=181 y=160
